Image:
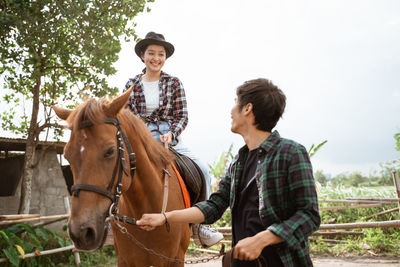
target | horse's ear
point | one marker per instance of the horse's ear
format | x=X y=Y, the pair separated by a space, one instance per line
x=111 y=109
x=62 y=113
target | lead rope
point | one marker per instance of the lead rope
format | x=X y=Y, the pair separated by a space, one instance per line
x=161 y=256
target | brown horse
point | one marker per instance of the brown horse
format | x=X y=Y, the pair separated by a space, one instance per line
x=97 y=164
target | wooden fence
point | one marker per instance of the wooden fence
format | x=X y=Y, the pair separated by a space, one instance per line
x=323 y=229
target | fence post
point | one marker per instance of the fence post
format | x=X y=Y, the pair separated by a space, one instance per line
x=77 y=257
x=396 y=184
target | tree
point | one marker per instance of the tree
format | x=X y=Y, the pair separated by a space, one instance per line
x=397 y=138
x=356 y=178
x=55 y=52
x=320 y=177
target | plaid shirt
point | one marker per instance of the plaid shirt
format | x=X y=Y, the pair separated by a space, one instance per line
x=172 y=105
x=288 y=204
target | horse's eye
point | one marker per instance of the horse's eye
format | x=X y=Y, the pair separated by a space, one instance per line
x=109 y=153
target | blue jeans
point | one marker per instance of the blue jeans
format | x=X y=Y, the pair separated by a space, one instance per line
x=164 y=127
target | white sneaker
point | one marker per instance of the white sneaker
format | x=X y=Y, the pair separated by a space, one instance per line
x=205 y=236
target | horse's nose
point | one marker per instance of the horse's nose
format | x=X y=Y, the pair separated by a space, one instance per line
x=83 y=236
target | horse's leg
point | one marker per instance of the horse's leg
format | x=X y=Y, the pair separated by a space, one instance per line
x=181 y=247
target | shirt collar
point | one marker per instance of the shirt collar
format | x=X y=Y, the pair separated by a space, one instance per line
x=266 y=145
x=271 y=141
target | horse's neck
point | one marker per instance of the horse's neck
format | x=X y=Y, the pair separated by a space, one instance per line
x=146 y=192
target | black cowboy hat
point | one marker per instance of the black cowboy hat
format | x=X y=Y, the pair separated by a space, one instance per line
x=154 y=38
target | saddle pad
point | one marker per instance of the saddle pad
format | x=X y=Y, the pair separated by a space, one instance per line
x=185 y=192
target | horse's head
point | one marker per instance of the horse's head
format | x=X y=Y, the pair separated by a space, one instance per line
x=93 y=154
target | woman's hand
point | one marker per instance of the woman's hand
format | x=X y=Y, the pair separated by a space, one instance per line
x=149 y=222
x=166 y=138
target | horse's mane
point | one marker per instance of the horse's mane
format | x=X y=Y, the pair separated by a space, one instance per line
x=92 y=111
x=154 y=149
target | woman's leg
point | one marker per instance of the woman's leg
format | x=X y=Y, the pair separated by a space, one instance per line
x=202 y=235
x=207 y=176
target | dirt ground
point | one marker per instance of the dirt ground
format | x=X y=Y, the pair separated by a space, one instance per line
x=334 y=262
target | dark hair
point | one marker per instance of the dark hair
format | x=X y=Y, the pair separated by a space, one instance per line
x=144 y=48
x=267 y=99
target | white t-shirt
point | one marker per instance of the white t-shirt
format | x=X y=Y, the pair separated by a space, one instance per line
x=152 y=96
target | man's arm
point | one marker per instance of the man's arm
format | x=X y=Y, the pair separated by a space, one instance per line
x=207 y=211
x=306 y=219
x=191 y=215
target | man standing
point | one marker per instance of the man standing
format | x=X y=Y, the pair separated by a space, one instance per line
x=269 y=187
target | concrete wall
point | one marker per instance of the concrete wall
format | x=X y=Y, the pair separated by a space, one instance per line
x=48 y=190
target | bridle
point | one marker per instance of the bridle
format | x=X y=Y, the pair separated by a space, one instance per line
x=119 y=165
x=114 y=197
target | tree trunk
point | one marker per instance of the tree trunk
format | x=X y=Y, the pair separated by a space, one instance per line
x=29 y=164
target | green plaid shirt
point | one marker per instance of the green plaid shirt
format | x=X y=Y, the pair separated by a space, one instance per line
x=288 y=204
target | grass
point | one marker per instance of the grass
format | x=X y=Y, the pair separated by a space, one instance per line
x=102 y=257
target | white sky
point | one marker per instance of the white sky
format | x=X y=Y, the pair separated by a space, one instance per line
x=337 y=62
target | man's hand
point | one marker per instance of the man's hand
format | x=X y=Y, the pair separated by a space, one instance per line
x=149 y=222
x=250 y=248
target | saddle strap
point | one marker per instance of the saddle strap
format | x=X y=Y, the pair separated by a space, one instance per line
x=166 y=181
x=165 y=197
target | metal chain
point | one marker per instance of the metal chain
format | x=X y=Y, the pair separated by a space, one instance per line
x=123 y=230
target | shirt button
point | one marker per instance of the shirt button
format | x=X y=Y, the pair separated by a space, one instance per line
x=260 y=151
x=259 y=161
x=262 y=216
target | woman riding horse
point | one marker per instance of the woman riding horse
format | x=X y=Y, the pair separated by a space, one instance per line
x=159 y=99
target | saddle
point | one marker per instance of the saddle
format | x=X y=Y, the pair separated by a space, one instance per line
x=192 y=175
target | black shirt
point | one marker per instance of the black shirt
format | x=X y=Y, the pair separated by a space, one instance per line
x=246 y=220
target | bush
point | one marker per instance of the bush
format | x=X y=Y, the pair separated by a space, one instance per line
x=21 y=239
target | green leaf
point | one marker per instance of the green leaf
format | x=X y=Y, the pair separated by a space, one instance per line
x=314 y=149
x=27 y=228
x=59 y=239
x=11 y=255
x=43 y=233
x=4 y=235
x=35 y=241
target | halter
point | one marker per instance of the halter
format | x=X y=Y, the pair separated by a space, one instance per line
x=121 y=140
